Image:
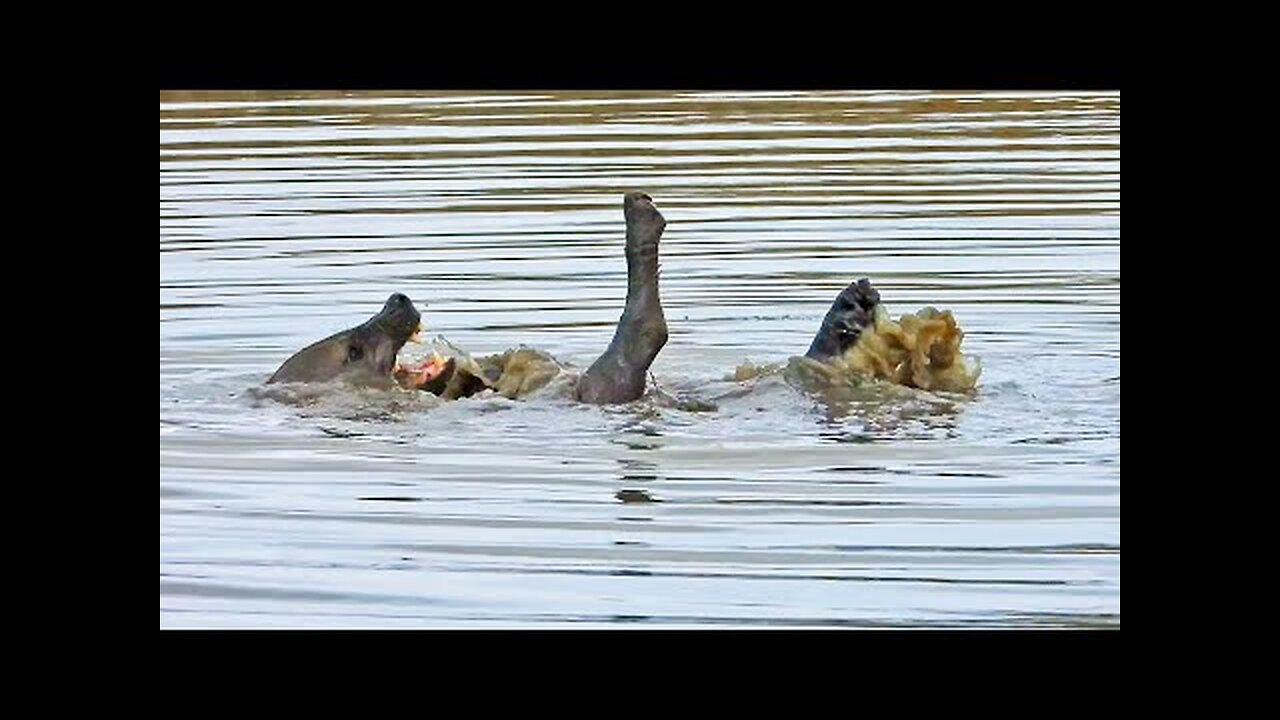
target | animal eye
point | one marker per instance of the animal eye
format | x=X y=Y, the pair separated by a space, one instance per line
x=354 y=353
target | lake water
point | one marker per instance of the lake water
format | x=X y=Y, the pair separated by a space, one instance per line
x=287 y=216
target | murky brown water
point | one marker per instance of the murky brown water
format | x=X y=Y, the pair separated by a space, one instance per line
x=288 y=216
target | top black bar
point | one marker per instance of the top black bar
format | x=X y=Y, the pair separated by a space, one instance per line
x=760 y=73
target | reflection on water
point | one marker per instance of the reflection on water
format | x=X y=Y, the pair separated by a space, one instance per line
x=285 y=217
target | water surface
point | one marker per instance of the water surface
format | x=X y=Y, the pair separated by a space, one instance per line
x=285 y=217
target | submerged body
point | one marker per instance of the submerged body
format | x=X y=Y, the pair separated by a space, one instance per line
x=856 y=341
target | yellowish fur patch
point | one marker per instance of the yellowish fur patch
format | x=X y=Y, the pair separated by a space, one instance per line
x=920 y=350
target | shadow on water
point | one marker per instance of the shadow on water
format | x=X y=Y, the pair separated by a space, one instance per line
x=637 y=479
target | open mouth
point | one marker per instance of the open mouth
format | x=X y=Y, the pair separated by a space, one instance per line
x=415 y=375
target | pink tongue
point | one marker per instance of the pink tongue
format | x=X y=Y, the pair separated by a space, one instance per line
x=429 y=372
x=424 y=372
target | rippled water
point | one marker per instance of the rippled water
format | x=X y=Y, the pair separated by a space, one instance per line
x=285 y=217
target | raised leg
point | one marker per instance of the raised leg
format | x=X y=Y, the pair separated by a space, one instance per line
x=852 y=311
x=618 y=375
